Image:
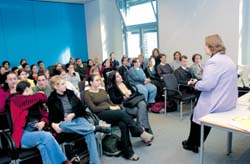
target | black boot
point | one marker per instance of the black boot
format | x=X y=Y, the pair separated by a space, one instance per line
x=102 y=129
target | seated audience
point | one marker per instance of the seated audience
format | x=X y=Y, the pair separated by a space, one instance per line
x=66 y=114
x=137 y=77
x=26 y=67
x=142 y=61
x=57 y=67
x=22 y=76
x=123 y=69
x=106 y=70
x=71 y=75
x=176 y=63
x=29 y=117
x=156 y=56
x=3 y=72
x=96 y=60
x=90 y=64
x=184 y=76
x=41 y=66
x=72 y=61
x=119 y=91
x=151 y=73
x=197 y=67
x=22 y=61
x=9 y=87
x=114 y=64
x=99 y=103
x=68 y=84
x=42 y=85
x=34 y=73
x=6 y=65
x=14 y=69
x=163 y=67
x=80 y=68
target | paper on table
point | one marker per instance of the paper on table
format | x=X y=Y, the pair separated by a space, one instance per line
x=241 y=122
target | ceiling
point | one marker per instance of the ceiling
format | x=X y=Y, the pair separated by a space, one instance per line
x=68 y=1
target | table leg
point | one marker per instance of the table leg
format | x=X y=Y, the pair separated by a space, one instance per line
x=202 y=144
x=229 y=142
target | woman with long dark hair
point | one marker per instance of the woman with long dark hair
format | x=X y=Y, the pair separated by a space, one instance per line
x=119 y=91
x=98 y=101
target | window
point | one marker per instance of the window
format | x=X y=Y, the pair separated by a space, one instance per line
x=140 y=26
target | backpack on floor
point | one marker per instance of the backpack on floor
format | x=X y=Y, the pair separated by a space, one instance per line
x=171 y=106
x=111 y=145
x=157 y=107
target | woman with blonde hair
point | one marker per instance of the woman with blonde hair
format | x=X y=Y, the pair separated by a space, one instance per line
x=218 y=88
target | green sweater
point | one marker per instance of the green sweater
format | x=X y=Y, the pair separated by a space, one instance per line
x=97 y=102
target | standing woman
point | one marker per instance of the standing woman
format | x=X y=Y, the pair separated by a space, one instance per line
x=218 y=89
x=99 y=103
x=119 y=91
x=29 y=117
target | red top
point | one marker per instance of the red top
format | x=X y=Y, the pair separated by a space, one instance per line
x=19 y=108
x=3 y=96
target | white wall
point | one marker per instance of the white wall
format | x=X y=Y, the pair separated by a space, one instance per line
x=245 y=44
x=183 y=25
x=92 y=17
x=103 y=29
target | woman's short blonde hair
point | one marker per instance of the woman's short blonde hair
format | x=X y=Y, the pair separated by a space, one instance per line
x=215 y=44
x=55 y=80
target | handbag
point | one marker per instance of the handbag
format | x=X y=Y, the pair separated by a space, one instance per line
x=133 y=100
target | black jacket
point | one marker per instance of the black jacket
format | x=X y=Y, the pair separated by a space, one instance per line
x=56 y=112
x=116 y=94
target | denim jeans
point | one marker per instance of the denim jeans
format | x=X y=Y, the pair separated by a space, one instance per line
x=49 y=149
x=148 y=90
x=81 y=126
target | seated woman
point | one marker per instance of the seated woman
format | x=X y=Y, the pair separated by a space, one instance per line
x=66 y=114
x=197 y=66
x=62 y=73
x=99 y=103
x=137 y=77
x=23 y=76
x=29 y=117
x=119 y=91
x=71 y=75
x=151 y=73
x=9 y=87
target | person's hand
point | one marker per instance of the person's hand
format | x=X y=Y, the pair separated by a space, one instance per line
x=56 y=127
x=192 y=81
x=69 y=117
x=147 y=80
x=115 y=107
x=40 y=125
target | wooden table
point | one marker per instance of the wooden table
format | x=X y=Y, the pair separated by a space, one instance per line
x=222 y=121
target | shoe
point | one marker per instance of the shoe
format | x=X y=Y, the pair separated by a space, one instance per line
x=66 y=162
x=148 y=143
x=102 y=129
x=187 y=146
x=134 y=157
x=145 y=136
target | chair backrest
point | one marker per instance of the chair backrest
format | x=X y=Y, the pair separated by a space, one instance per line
x=170 y=83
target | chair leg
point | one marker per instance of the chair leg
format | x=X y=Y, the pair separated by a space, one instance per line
x=191 y=106
x=99 y=137
x=165 y=102
x=181 y=110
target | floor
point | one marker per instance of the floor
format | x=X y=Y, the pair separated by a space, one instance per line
x=170 y=130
